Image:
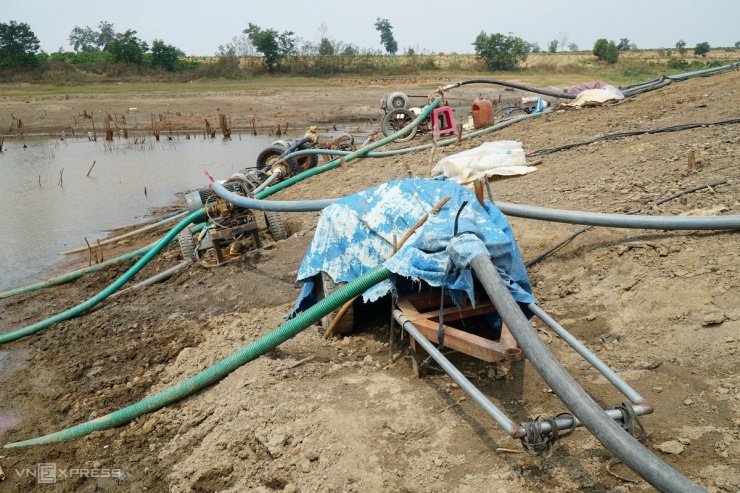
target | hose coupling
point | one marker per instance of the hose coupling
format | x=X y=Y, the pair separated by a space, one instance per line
x=311 y=134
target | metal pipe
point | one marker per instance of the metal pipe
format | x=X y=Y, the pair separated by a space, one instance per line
x=502 y=419
x=620 y=220
x=162 y=276
x=269 y=181
x=115 y=239
x=631 y=452
x=566 y=423
x=602 y=367
x=524 y=211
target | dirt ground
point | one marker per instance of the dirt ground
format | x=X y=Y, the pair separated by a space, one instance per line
x=351 y=101
x=661 y=308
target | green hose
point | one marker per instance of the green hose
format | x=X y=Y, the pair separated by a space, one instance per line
x=75 y=274
x=358 y=153
x=408 y=150
x=172 y=234
x=113 y=287
x=706 y=71
x=219 y=370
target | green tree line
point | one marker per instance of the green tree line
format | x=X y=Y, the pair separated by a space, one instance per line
x=259 y=49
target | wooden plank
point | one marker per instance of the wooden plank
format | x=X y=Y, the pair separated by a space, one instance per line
x=423 y=302
x=419 y=370
x=473 y=345
x=217 y=249
x=219 y=234
x=507 y=340
x=465 y=342
x=452 y=313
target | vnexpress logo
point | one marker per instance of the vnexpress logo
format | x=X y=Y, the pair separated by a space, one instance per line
x=47 y=473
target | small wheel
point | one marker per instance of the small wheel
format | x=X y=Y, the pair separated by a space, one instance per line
x=395 y=120
x=307 y=161
x=269 y=156
x=187 y=244
x=275 y=225
x=323 y=287
x=397 y=100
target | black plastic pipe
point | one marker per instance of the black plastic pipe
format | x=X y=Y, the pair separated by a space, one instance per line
x=631 y=452
x=506 y=83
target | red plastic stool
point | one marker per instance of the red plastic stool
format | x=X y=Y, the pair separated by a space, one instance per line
x=444 y=121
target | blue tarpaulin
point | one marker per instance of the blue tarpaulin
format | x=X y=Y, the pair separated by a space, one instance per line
x=355 y=234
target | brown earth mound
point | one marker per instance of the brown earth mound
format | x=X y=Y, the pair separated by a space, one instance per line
x=662 y=308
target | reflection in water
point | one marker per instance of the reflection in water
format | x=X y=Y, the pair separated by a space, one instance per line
x=42 y=218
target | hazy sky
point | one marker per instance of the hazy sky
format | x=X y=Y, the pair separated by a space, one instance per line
x=199 y=27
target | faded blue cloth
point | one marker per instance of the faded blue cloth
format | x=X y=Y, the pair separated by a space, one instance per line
x=355 y=234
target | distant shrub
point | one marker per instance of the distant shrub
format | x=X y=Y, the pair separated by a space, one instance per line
x=702 y=49
x=678 y=64
x=91 y=57
x=637 y=70
x=606 y=51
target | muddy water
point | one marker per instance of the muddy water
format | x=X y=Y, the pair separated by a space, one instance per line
x=49 y=205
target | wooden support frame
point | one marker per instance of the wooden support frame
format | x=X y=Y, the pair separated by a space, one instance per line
x=219 y=234
x=422 y=310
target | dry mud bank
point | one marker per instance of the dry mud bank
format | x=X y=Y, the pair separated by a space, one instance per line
x=662 y=308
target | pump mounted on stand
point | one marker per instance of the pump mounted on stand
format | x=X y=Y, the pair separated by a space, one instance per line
x=230 y=230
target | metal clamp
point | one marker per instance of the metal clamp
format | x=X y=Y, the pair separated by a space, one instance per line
x=630 y=419
x=540 y=443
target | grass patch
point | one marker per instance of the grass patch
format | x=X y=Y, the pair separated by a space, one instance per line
x=427 y=71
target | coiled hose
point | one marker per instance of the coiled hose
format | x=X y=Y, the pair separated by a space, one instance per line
x=226 y=366
x=219 y=370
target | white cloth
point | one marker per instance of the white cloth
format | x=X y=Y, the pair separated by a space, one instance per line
x=596 y=97
x=502 y=158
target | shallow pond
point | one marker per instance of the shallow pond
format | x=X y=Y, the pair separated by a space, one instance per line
x=49 y=205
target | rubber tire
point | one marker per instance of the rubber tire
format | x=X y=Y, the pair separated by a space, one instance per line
x=395 y=120
x=323 y=287
x=309 y=160
x=275 y=225
x=397 y=100
x=270 y=155
x=187 y=244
